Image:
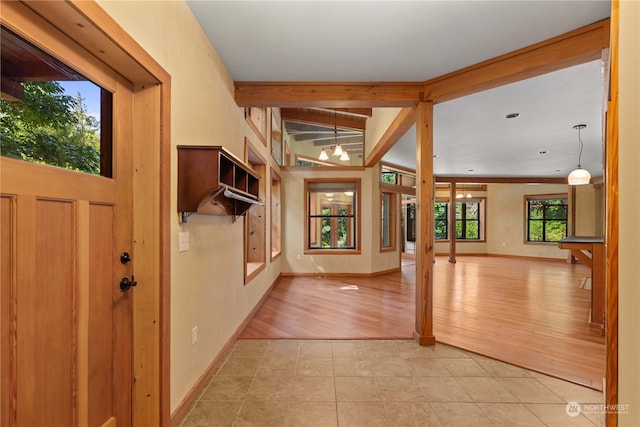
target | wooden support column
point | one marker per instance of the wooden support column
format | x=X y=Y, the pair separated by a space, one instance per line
x=423 y=333
x=452 y=223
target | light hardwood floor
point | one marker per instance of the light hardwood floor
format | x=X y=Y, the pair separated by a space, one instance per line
x=531 y=313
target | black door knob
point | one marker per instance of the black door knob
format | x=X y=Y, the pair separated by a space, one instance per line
x=126 y=284
x=125 y=257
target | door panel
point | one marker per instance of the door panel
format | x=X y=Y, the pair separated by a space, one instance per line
x=66 y=327
x=101 y=297
x=72 y=325
x=7 y=288
x=45 y=326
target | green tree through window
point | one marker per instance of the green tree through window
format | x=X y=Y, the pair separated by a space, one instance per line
x=389 y=177
x=441 y=220
x=50 y=127
x=467 y=220
x=546 y=219
x=43 y=121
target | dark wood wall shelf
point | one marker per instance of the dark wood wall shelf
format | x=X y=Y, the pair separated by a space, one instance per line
x=213 y=181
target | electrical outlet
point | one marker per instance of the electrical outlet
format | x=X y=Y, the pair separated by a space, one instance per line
x=194 y=335
x=184 y=241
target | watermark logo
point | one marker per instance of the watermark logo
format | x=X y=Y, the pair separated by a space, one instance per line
x=573 y=409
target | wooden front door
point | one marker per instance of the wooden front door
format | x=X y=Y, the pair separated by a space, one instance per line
x=66 y=327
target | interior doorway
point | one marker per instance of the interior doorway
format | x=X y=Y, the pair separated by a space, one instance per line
x=408 y=228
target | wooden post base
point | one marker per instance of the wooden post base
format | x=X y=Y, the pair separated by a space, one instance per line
x=424 y=340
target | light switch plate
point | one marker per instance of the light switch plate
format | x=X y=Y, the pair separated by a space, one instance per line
x=184 y=241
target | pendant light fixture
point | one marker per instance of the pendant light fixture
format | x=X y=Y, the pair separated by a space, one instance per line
x=323 y=155
x=338 y=150
x=344 y=156
x=579 y=176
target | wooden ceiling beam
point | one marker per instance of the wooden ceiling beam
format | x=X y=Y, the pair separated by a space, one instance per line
x=398 y=127
x=307 y=115
x=397 y=168
x=500 y=180
x=328 y=95
x=483 y=180
x=361 y=112
x=344 y=142
x=573 y=48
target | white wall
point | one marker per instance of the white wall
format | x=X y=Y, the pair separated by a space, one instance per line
x=207 y=282
x=505 y=220
x=369 y=260
x=377 y=125
x=589 y=214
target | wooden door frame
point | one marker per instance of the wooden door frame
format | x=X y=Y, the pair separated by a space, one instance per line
x=88 y=25
x=611 y=223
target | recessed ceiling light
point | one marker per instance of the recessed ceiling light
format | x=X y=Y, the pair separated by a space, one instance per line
x=543 y=152
x=512 y=115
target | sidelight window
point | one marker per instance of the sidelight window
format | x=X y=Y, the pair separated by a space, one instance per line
x=388 y=221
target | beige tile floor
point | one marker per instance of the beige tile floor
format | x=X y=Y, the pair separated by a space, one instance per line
x=382 y=383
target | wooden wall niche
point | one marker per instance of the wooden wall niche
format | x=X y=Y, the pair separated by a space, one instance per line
x=213 y=181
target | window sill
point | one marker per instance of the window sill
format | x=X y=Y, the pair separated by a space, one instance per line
x=252 y=270
x=275 y=255
x=334 y=251
x=463 y=241
x=526 y=242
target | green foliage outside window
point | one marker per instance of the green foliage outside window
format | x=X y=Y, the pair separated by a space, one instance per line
x=389 y=177
x=468 y=221
x=546 y=219
x=441 y=220
x=50 y=127
x=343 y=230
x=326 y=228
x=331 y=215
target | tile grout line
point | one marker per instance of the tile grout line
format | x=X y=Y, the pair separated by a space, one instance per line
x=366 y=352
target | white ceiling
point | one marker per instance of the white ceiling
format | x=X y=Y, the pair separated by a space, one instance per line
x=473 y=133
x=416 y=41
